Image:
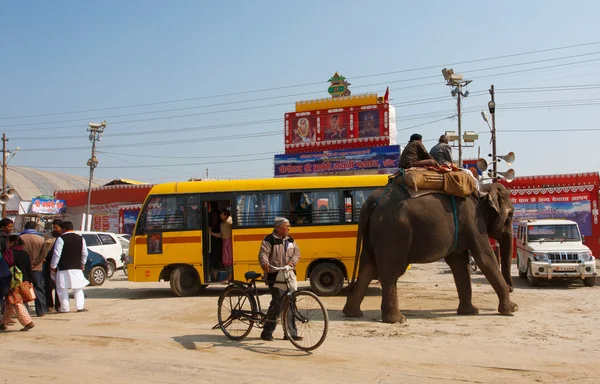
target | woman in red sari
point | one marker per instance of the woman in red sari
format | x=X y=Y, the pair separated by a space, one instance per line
x=226 y=223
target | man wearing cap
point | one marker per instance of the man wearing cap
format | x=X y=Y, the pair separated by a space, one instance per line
x=415 y=154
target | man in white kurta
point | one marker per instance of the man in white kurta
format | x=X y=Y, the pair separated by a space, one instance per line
x=68 y=262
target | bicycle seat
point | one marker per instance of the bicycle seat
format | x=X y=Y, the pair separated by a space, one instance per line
x=251 y=275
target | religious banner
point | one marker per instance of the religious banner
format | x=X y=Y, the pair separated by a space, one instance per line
x=575 y=207
x=350 y=161
x=47 y=206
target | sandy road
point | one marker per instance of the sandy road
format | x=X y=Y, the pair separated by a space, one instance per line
x=140 y=333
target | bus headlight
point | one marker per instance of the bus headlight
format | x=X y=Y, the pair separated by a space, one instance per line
x=586 y=256
x=540 y=257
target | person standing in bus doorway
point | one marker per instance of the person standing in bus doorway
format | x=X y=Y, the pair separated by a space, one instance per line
x=68 y=261
x=216 y=244
x=278 y=249
x=225 y=236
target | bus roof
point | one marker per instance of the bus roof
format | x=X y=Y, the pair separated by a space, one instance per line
x=283 y=183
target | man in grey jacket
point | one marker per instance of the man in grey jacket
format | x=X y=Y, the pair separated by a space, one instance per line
x=277 y=250
x=442 y=151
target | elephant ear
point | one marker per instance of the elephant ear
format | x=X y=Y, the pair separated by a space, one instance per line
x=492 y=198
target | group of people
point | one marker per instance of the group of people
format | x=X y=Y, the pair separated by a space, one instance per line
x=415 y=155
x=52 y=264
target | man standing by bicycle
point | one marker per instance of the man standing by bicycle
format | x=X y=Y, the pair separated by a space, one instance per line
x=277 y=250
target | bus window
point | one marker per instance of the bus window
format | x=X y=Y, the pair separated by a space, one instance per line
x=315 y=207
x=164 y=213
x=258 y=209
x=358 y=199
x=193 y=214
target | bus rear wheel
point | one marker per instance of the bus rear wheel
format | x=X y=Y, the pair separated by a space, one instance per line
x=327 y=279
x=185 y=281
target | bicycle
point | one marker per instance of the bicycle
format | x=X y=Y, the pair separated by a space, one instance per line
x=240 y=300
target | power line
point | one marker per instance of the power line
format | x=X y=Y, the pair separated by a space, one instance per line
x=280 y=104
x=149 y=144
x=151 y=166
x=283 y=96
x=191 y=157
x=306 y=84
x=270 y=158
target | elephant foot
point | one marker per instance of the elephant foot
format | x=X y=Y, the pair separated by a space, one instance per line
x=467 y=310
x=507 y=308
x=349 y=311
x=393 y=317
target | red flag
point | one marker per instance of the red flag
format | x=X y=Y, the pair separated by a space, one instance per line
x=387 y=94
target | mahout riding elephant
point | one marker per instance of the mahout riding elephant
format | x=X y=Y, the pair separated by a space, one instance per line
x=396 y=230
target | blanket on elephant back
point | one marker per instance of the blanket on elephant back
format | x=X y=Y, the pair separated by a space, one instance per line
x=448 y=179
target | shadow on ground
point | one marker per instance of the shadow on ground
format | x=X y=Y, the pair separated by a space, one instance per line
x=205 y=342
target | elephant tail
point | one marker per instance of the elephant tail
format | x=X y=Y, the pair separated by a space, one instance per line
x=363 y=224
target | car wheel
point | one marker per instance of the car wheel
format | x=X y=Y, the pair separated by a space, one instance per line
x=589 y=281
x=326 y=279
x=185 y=281
x=97 y=276
x=111 y=267
x=532 y=280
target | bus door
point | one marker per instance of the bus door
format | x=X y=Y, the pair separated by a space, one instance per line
x=212 y=249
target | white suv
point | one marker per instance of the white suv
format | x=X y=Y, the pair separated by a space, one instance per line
x=553 y=249
x=108 y=245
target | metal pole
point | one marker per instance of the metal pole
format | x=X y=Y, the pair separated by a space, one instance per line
x=4 y=140
x=92 y=166
x=494 y=159
x=459 y=130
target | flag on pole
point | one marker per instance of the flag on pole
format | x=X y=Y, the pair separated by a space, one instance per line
x=387 y=94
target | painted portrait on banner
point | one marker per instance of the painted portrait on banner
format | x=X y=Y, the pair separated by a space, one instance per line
x=304 y=130
x=335 y=126
x=369 y=124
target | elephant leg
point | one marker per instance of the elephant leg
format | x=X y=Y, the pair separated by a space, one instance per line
x=367 y=272
x=389 y=301
x=459 y=264
x=486 y=260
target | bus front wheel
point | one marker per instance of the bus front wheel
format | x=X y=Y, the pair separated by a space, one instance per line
x=327 y=279
x=185 y=281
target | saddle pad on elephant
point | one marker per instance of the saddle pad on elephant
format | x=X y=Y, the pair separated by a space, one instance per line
x=421 y=179
x=460 y=184
x=457 y=183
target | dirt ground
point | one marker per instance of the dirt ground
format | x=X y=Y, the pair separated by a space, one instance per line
x=139 y=333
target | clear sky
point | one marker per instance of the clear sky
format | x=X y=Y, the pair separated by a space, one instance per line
x=112 y=56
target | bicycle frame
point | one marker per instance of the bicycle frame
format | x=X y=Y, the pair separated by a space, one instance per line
x=259 y=317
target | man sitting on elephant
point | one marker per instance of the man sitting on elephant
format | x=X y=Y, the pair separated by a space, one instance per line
x=415 y=154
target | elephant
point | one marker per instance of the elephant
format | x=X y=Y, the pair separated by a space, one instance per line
x=396 y=230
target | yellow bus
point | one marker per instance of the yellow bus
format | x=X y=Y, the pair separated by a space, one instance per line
x=171 y=241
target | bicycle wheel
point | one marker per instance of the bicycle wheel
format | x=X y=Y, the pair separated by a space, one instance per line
x=305 y=312
x=234 y=324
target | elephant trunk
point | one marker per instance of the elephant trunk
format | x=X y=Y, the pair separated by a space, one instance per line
x=506 y=254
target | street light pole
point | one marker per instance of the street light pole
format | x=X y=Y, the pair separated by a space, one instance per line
x=459 y=131
x=96 y=131
x=4 y=153
x=457 y=83
x=492 y=106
